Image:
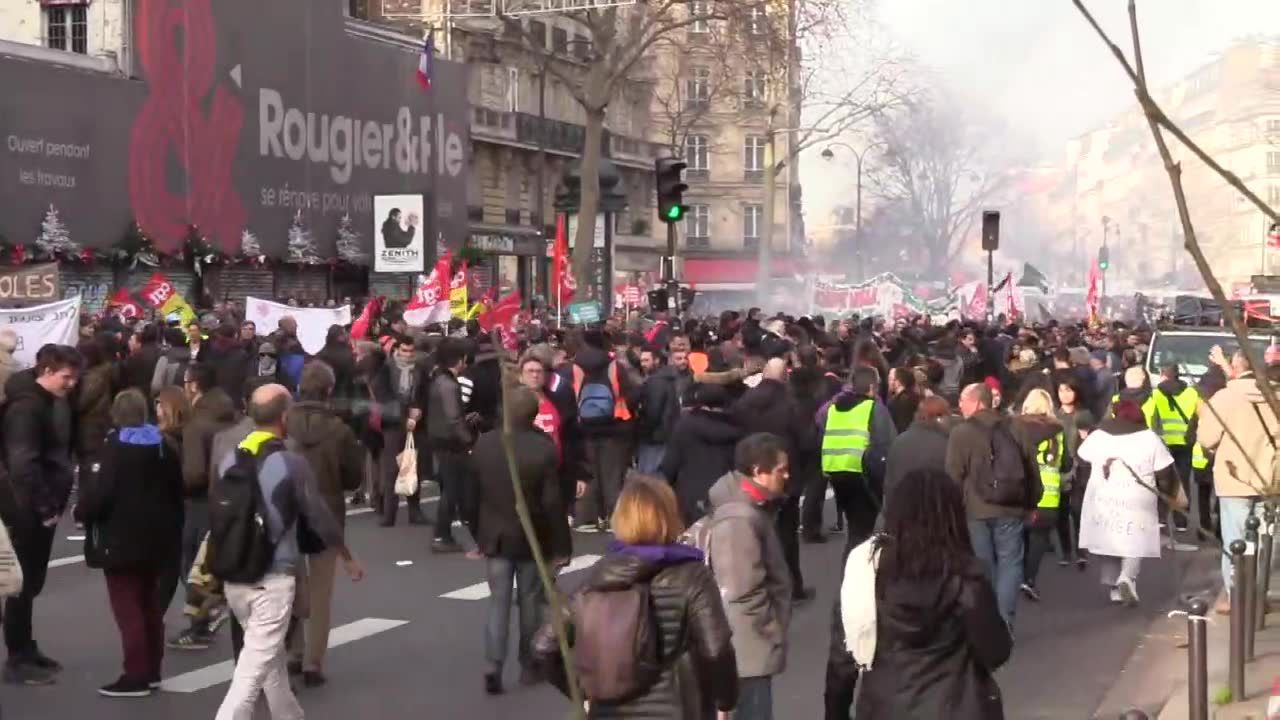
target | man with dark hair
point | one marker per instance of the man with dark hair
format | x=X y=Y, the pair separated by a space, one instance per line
x=750 y=569
x=856 y=431
x=336 y=458
x=37 y=432
x=450 y=436
x=602 y=387
x=212 y=411
x=263 y=608
x=501 y=538
x=144 y=353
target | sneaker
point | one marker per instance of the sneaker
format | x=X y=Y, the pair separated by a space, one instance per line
x=190 y=639
x=1031 y=592
x=1082 y=562
x=1065 y=561
x=313 y=679
x=217 y=618
x=493 y=683
x=357 y=499
x=1115 y=596
x=126 y=688
x=25 y=673
x=44 y=662
x=1128 y=593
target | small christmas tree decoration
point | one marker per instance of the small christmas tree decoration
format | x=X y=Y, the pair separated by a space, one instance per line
x=348 y=245
x=302 y=244
x=54 y=240
x=250 y=248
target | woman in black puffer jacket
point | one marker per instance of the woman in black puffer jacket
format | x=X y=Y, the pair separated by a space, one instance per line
x=701 y=673
x=132 y=512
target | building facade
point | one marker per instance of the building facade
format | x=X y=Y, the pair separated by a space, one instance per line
x=1112 y=185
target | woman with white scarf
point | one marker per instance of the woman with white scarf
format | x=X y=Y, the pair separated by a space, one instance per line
x=919 y=613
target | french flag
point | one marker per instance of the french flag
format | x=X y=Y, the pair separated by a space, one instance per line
x=424 y=63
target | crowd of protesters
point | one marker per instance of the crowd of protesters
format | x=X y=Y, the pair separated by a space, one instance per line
x=958 y=456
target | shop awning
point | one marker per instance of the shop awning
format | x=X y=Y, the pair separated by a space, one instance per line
x=723 y=271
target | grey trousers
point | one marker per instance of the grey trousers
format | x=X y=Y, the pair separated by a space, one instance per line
x=1111 y=569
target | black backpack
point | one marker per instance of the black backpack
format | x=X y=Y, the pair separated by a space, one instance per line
x=1007 y=485
x=240 y=547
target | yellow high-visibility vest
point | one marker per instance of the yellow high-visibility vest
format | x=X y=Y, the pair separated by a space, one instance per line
x=1049 y=459
x=1199 y=459
x=1173 y=429
x=847 y=437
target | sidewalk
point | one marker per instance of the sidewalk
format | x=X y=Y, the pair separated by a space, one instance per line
x=1260 y=674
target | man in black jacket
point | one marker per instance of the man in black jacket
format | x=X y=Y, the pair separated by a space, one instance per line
x=450 y=436
x=770 y=407
x=37 y=452
x=661 y=398
x=501 y=537
x=144 y=354
x=606 y=436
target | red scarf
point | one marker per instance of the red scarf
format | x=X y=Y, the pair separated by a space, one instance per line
x=757 y=494
x=548 y=421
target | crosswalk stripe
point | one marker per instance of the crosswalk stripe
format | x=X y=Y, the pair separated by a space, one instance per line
x=72 y=560
x=480 y=591
x=218 y=673
x=368 y=509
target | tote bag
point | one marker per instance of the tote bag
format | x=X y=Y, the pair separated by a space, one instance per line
x=407 y=477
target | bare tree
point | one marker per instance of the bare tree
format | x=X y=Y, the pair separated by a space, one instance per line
x=1159 y=123
x=681 y=100
x=821 y=84
x=935 y=165
x=621 y=38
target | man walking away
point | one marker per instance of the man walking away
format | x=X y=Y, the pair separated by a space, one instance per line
x=501 y=538
x=37 y=451
x=450 y=437
x=750 y=569
x=263 y=607
x=336 y=459
x=857 y=431
x=1172 y=413
x=602 y=387
x=1001 y=483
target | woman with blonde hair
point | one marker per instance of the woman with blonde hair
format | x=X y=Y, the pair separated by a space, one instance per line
x=1043 y=432
x=172 y=411
x=699 y=672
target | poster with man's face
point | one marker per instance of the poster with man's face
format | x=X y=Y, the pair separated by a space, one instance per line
x=398 y=244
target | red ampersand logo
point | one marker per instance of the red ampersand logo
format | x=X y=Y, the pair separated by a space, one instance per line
x=178 y=51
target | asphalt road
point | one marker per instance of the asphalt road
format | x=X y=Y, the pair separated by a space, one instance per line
x=403 y=650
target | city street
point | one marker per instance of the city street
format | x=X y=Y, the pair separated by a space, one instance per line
x=407 y=642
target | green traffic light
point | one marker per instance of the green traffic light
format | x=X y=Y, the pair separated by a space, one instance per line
x=1103 y=265
x=674 y=212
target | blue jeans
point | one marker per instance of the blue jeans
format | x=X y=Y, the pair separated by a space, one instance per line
x=1232 y=512
x=502 y=572
x=755 y=699
x=649 y=458
x=998 y=543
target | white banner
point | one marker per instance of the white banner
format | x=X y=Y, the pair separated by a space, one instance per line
x=56 y=322
x=397 y=236
x=313 y=323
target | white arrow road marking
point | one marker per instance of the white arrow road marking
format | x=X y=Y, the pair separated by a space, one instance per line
x=480 y=591
x=207 y=677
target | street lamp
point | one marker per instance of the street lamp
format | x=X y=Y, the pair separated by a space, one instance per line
x=828 y=155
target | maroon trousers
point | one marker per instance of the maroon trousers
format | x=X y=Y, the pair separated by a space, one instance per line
x=138 y=614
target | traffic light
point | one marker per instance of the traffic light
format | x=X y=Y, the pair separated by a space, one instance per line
x=658 y=299
x=671 y=187
x=1104 y=258
x=568 y=194
x=686 y=297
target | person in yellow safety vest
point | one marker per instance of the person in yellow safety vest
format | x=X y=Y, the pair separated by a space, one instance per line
x=856 y=431
x=1171 y=414
x=1137 y=387
x=1041 y=427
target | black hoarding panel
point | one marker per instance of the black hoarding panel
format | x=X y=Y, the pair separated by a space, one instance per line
x=236 y=282
x=305 y=283
x=247 y=114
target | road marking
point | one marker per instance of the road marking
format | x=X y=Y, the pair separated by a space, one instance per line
x=77 y=559
x=480 y=591
x=207 y=677
x=367 y=509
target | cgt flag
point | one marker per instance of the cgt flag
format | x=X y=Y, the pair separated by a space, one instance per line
x=160 y=294
x=563 y=285
x=430 y=303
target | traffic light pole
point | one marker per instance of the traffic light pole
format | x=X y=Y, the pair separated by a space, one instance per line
x=673 y=285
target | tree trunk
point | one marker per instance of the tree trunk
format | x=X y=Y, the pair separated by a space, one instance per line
x=764 y=270
x=588 y=207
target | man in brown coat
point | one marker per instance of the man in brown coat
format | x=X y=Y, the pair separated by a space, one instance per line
x=336 y=457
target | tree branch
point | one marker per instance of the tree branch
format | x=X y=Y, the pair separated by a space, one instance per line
x=1174 y=170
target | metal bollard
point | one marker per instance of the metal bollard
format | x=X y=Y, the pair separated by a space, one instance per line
x=1235 y=655
x=1265 y=550
x=1250 y=567
x=1198 y=660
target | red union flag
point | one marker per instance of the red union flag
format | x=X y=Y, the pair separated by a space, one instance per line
x=563 y=286
x=1273 y=235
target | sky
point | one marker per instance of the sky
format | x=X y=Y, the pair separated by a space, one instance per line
x=1038 y=67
